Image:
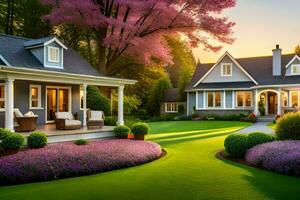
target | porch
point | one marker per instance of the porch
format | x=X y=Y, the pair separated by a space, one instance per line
x=55 y=135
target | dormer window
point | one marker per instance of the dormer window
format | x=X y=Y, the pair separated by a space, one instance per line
x=295 y=69
x=226 y=69
x=53 y=54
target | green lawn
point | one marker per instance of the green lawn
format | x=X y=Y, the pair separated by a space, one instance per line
x=189 y=171
x=272 y=126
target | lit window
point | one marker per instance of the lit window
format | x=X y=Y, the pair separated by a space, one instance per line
x=296 y=69
x=295 y=98
x=284 y=99
x=35 y=96
x=226 y=69
x=214 y=99
x=53 y=54
x=2 y=97
x=244 y=99
x=171 y=107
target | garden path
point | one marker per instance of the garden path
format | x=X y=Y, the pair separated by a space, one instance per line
x=258 y=127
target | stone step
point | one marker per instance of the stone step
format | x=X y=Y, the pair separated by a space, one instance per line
x=265 y=119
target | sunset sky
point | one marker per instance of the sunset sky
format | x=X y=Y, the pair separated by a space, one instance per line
x=260 y=25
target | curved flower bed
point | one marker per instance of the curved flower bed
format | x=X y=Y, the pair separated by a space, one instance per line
x=68 y=160
x=279 y=156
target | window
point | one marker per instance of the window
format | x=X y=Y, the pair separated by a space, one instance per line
x=35 y=97
x=171 y=107
x=284 y=99
x=214 y=99
x=295 y=98
x=2 y=96
x=226 y=69
x=53 y=54
x=244 y=99
x=81 y=98
x=295 y=70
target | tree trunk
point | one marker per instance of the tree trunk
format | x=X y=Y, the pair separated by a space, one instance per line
x=102 y=51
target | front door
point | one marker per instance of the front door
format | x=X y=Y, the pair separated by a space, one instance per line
x=272 y=102
x=58 y=99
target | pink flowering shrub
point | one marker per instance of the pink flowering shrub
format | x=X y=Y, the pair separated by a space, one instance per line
x=279 y=156
x=68 y=160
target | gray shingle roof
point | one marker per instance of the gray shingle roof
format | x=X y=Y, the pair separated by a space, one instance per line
x=13 y=50
x=36 y=42
x=172 y=95
x=260 y=68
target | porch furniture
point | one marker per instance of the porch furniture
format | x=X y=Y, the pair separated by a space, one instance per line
x=95 y=118
x=25 y=123
x=66 y=121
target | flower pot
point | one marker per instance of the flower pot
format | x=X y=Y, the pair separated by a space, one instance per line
x=139 y=137
x=122 y=136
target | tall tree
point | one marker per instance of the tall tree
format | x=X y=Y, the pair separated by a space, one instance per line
x=137 y=28
x=297 y=49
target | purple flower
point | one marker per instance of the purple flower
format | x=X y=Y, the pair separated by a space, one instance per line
x=67 y=159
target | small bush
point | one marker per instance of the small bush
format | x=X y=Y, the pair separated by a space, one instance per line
x=121 y=131
x=131 y=121
x=288 y=126
x=95 y=100
x=236 y=145
x=37 y=140
x=140 y=128
x=4 y=133
x=13 y=141
x=110 y=121
x=81 y=142
x=259 y=138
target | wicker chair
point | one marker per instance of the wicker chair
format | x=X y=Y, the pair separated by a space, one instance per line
x=66 y=121
x=24 y=123
x=95 y=119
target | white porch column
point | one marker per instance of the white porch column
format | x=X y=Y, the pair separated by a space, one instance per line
x=279 y=102
x=120 y=105
x=9 y=104
x=84 y=104
x=256 y=103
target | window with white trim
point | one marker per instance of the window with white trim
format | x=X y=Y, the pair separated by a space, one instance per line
x=35 y=97
x=2 y=96
x=295 y=98
x=226 y=69
x=53 y=54
x=244 y=99
x=171 y=107
x=214 y=99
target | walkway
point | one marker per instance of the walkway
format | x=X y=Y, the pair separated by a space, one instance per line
x=258 y=127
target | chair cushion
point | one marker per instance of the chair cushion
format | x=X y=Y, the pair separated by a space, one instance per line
x=96 y=115
x=73 y=123
x=64 y=115
x=18 y=113
x=30 y=114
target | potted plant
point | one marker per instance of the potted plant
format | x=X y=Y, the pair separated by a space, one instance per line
x=139 y=130
x=121 y=132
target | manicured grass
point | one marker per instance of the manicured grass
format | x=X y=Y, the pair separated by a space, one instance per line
x=189 y=171
x=272 y=126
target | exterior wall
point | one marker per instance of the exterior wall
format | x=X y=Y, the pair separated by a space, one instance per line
x=229 y=99
x=162 y=108
x=289 y=68
x=202 y=113
x=191 y=102
x=39 y=54
x=200 y=99
x=21 y=99
x=237 y=74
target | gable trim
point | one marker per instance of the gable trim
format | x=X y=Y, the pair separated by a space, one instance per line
x=4 y=60
x=220 y=59
x=294 y=58
x=57 y=41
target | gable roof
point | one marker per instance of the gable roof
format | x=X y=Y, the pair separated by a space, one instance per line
x=4 y=61
x=13 y=50
x=296 y=57
x=220 y=59
x=259 y=68
x=42 y=42
x=172 y=95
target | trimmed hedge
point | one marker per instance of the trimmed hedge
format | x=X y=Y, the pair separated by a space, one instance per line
x=140 y=128
x=37 y=140
x=257 y=138
x=81 y=142
x=236 y=145
x=121 y=131
x=4 y=133
x=13 y=141
x=288 y=126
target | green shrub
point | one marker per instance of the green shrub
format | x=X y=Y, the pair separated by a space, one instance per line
x=121 y=131
x=236 y=145
x=288 y=126
x=81 y=142
x=131 y=121
x=97 y=101
x=37 y=140
x=13 y=141
x=140 y=128
x=4 y=133
x=110 y=121
x=257 y=138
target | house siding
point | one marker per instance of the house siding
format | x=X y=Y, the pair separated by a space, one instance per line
x=192 y=102
x=200 y=99
x=237 y=74
x=228 y=99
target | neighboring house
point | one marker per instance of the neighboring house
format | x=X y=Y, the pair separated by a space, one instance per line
x=171 y=103
x=44 y=76
x=240 y=85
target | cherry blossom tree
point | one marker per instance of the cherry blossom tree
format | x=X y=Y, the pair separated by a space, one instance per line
x=137 y=28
